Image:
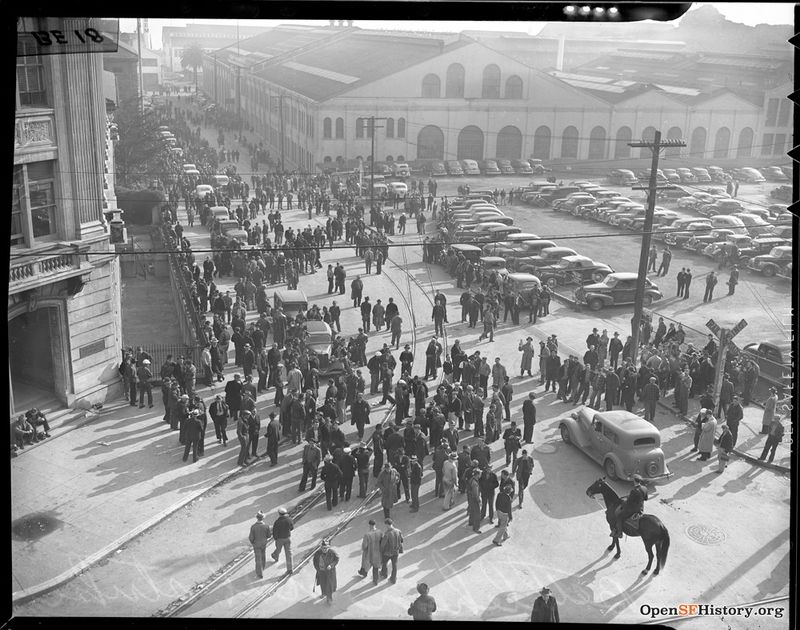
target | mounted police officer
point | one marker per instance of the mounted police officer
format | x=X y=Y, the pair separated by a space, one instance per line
x=634 y=504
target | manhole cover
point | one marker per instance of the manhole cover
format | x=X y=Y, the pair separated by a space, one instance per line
x=546 y=448
x=706 y=534
x=34 y=526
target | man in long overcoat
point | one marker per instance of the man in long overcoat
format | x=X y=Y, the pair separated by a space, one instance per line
x=387 y=482
x=527 y=356
x=325 y=561
x=273 y=436
x=371 y=552
x=474 y=501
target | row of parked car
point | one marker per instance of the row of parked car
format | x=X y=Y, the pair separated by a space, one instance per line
x=457 y=168
x=702 y=175
x=726 y=233
x=489 y=238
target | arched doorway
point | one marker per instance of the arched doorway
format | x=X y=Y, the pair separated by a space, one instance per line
x=722 y=141
x=470 y=143
x=597 y=143
x=569 y=143
x=430 y=143
x=622 y=149
x=34 y=347
x=674 y=133
x=648 y=135
x=541 y=143
x=745 y=146
x=509 y=143
x=697 y=146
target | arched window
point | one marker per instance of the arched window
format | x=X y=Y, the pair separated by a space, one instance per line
x=358 y=157
x=597 y=143
x=470 y=143
x=569 y=143
x=454 y=87
x=674 y=133
x=401 y=127
x=722 y=141
x=401 y=158
x=513 y=87
x=390 y=127
x=430 y=143
x=697 y=146
x=648 y=135
x=431 y=86
x=340 y=127
x=326 y=159
x=491 y=82
x=621 y=148
x=359 y=127
x=509 y=143
x=745 y=146
x=326 y=128
x=339 y=159
x=389 y=158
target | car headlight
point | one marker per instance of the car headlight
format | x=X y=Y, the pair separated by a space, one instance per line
x=653 y=469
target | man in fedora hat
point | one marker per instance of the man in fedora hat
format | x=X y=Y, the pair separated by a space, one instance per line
x=371 y=552
x=415 y=480
x=143 y=376
x=650 y=395
x=193 y=431
x=545 y=608
x=259 y=537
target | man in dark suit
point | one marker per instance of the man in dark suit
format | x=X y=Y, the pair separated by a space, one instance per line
x=545 y=608
x=528 y=418
x=193 y=430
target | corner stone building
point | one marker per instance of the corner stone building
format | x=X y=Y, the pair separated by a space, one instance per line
x=64 y=321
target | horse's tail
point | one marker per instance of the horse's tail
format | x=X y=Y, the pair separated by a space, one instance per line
x=662 y=549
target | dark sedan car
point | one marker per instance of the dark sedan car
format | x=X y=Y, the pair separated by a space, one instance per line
x=573 y=270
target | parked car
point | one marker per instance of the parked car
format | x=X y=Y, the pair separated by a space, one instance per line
x=527 y=249
x=785 y=273
x=546 y=257
x=478 y=233
x=720 y=206
x=574 y=269
x=437 y=169
x=398 y=188
x=698 y=242
x=757 y=247
x=401 y=169
x=662 y=231
x=660 y=218
x=505 y=167
x=625 y=209
x=565 y=204
x=748 y=175
x=686 y=175
x=623 y=443
x=775 y=262
x=672 y=176
x=622 y=177
x=318 y=341
x=731 y=248
x=773 y=174
x=701 y=174
x=784 y=193
x=728 y=221
x=470 y=252
x=470 y=167
x=782 y=231
x=774 y=359
x=672 y=193
x=717 y=174
x=538 y=166
x=644 y=175
x=616 y=289
x=545 y=199
x=522 y=167
x=677 y=239
x=511 y=245
x=489 y=167
x=493 y=263
x=755 y=224
x=454 y=168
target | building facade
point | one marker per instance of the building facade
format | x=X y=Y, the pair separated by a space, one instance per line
x=445 y=97
x=64 y=321
x=174 y=39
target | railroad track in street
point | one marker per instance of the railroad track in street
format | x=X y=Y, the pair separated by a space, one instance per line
x=182 y=605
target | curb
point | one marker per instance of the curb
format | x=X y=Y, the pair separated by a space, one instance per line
x=25 y=595
x=746 y=456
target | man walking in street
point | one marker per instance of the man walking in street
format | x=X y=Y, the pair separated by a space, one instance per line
x=733 y=280
x=711 y=282
x=523 y=468
x=282 y=534
x=371 y=552
x=652 y=258
x=312 y=455
x=331 y=474
x=259 y=537
x=666 y=259
x=503 y=507
x=415 y=480
x=391 y=547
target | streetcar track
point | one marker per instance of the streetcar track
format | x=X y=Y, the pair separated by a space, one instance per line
x=219 y=577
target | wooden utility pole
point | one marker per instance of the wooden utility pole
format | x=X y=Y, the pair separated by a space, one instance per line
x=725 y=337
x=655 y=146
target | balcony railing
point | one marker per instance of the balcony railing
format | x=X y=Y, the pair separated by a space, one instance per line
x=29 y=272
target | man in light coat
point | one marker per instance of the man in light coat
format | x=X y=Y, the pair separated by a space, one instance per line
x=706 y=442
x=387 y=482
x=371 y=552
x=449 y=480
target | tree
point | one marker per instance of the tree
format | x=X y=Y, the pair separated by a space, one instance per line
x=192 y=57
x=138 y=153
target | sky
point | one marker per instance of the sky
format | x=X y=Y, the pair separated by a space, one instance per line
x=742 y=12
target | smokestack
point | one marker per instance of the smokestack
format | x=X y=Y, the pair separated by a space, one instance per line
x=560 y=53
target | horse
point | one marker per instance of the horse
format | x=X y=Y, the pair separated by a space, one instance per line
x=651 y=529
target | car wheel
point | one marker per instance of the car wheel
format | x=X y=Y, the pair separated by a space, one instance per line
x=610 y=468
x=648 y=300
x=768 y=271
x=596 y=304
x=551 y=282
x=565 y=434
